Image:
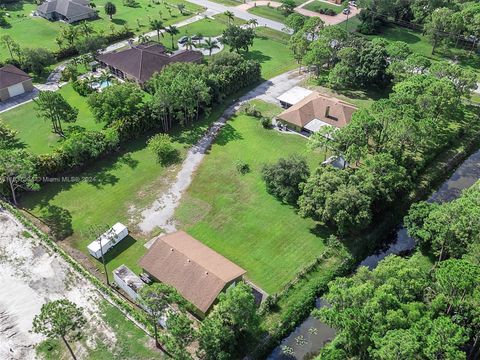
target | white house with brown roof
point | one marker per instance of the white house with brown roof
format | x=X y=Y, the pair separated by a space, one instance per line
x=13 y=82
x=198 y=273
x=317 y=110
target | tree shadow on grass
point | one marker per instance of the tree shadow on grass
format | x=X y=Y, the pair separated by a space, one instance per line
x=257 y=55
x=59 y=221
x=118 y=249
x=128 y=160
x=400 y=34
x=227 y=134
x=119 y=21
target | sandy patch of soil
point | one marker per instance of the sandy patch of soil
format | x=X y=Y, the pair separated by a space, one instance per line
x=30 y=275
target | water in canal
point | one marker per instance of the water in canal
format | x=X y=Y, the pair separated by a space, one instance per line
x=310 y=336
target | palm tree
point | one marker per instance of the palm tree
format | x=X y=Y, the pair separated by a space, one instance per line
x=189 y=44
x=142 y=39
x=8 y=42
x=172 y=31
x=210 y=44
x=156 y=25
x=110 y=9
x=229 y=15
x=181 y=8
x=253 y=22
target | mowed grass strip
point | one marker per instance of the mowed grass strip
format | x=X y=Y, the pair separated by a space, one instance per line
x=36 y=32
x=317 y=5
x=233 y=213
x=268 y=12
x=35 y=134
x=270 y=47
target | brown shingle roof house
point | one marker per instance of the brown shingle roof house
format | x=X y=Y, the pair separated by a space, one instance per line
x=197 y=272
x=317 y=110
x=13 y=82
x=140 y=62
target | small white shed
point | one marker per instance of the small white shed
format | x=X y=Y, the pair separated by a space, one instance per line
x=107 y=240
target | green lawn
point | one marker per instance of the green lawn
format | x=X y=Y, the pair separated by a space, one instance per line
x=233 y=213
x=119 y=187
x=269 y=47
x=35 y=133
x=268 y=12
x=39 y=32
x=317 y=5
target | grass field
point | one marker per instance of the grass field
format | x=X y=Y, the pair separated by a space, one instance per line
x=269 y=47
x=35 y=133
x=233 y=213
x=268 y=12
x=31 y=31
x=119 y=187
x=317 y=5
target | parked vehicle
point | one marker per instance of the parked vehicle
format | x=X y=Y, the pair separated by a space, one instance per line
x=183 y=40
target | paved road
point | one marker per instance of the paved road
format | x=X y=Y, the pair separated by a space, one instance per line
x=124 y=43
x=161 y=213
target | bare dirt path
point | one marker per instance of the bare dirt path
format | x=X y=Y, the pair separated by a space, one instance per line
x=160 y=213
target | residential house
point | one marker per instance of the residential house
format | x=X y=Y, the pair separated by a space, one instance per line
x=140 y=62
x=13 y=82
x=69 y=11
x=293 y=96
x=317 y=110
x=197 y=272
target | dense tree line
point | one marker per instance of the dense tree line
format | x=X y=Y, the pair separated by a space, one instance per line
x=448 y=230
x=405 y=309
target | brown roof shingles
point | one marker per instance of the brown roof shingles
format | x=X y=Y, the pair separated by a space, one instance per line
x=197 y=272
x=11 y=75
x=142 y=61
x=315 y=106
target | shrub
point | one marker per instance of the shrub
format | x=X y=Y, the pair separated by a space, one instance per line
x=242 y=167
x=284 y=177
x=161 y=145
x=250 y=110
x=266 y=122
x=82 y=87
